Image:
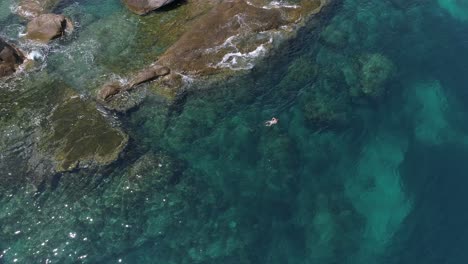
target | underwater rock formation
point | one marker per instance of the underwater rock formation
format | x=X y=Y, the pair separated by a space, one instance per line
x=78 y=136
x=10 y=59
x=47 y=27
x=142 y=7
x=376 y=70
x=334 y=37
x=55 y=130
x=368 y=75
x=30 y=9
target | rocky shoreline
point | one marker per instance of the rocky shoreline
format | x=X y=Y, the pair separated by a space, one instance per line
x=228 y=38
x=220 y=39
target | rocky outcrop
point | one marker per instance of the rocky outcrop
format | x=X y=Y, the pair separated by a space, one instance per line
x=30 y=9
x=233 y=35
x=47 y=27
x=109 y=90
x=10 y=59
x=218 y=40
x=225 y=38
x=146 y=75
x=149 y=74
x=142 y=7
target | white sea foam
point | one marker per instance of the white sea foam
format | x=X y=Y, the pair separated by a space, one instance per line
x=279 y=4
x=275 y=5
x=242 y=61
x=236 y=59
x=35 y=55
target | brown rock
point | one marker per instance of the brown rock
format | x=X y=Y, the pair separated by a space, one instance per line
x=231 y=34
x=47 y=27
x=6 y=69
x=142 y=7
x=149 y=74
x=10 y=59
x=109 y=90
x=33 y=8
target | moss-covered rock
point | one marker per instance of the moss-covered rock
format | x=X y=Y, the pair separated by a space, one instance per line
x=79 y=136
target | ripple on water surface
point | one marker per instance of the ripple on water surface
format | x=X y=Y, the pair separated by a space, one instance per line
x=204 y=181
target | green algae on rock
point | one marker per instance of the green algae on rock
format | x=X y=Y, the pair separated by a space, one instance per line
x=54 y=129
x=79 y=136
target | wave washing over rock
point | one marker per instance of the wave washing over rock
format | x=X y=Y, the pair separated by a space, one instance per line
x=139 y=136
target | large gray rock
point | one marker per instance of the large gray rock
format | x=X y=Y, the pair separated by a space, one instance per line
x=142 y=7
x=47 y=27
x=10 y=59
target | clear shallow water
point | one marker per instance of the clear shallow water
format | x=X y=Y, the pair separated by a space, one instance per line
x=203 y=181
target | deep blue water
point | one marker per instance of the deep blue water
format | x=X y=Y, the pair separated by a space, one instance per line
x=343 y=178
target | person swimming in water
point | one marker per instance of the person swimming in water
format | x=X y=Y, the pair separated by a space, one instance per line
x=271 y=122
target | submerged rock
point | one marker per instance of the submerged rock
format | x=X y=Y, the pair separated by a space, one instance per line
x=78 y=136
x=33 y=8
x=142 y=7
x=10 y=59
x=334 y=37
x=49 y=128
x=376 y=70
x=47 y=27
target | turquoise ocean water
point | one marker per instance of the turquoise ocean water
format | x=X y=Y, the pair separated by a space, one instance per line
x=342 y=178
